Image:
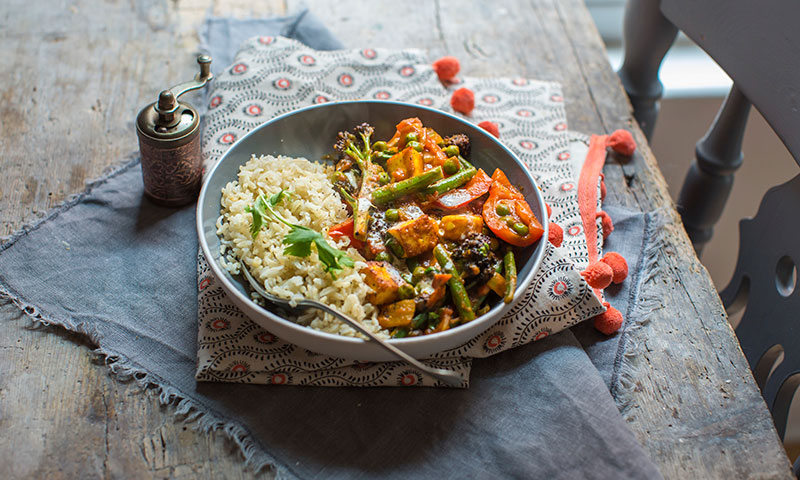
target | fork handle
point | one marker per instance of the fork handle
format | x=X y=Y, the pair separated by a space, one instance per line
x=447 y=376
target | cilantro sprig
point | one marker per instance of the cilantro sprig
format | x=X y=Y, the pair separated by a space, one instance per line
x=299 y=239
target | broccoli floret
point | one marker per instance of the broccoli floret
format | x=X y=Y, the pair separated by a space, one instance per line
x=461 y=141
x=474 y=257
x=356 y=145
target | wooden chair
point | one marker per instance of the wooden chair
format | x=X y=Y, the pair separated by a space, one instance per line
x=758 y=44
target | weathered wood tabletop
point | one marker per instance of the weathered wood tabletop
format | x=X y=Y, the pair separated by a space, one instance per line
x=76 y=73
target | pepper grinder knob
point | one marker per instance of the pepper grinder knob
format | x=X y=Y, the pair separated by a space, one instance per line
x=168 y=101
x=205 y=66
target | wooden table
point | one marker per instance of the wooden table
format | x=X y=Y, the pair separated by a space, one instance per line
x=77 y=72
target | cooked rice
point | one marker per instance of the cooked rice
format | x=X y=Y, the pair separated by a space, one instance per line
x=312 y=202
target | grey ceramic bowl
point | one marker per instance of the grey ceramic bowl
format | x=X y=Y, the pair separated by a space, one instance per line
x=310 y=132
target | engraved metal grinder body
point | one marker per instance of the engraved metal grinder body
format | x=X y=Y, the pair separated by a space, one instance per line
x=169 y=142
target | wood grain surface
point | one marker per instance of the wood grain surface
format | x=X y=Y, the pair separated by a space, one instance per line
x=77 y=72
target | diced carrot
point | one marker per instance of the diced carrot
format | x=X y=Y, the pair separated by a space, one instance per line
x=439 y=289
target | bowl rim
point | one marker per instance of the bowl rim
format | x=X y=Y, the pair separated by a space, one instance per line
x=231 y=289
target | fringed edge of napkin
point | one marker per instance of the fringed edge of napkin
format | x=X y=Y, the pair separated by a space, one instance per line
x=123 y=369
x=642 y=306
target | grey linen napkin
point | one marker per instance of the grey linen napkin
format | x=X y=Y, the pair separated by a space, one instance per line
x=113 y=266
x=634 y=239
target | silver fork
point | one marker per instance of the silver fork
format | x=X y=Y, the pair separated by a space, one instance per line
x=447 y=376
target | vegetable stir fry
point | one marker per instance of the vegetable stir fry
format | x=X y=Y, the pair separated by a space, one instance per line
x=438 y=233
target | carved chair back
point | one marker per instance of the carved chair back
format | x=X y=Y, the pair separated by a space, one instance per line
x=757 y=43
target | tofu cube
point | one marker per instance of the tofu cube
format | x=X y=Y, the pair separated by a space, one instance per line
x=385 y=283
x=405 y=164
x=457 y=227
x=416 y=236
x=397 y=314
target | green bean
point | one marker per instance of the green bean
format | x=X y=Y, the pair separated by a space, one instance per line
x=511 y=275
x=412 y=263
x=419 y=320
x=393 y=191
x=453 y=181
x=456 y=284
x=463 y=161
x=476 y=306
x=395 y=247
x=348 y=198
x=399 y=333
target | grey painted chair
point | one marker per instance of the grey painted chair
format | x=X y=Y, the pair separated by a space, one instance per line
x=758 y=44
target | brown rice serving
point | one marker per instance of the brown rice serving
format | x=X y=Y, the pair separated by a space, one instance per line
x=312 y=202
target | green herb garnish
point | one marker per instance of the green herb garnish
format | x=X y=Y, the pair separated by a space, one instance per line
x=299 y=239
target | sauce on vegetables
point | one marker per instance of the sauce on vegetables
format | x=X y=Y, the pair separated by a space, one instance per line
x=438 y=233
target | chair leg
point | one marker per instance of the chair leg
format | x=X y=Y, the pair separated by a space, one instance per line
x=647 y=35
x=710 y=178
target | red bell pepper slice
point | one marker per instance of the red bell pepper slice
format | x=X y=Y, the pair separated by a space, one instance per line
x=345 y=229
x=502 y=192
x=477 y=186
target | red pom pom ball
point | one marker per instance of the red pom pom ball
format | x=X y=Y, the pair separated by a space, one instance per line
x=598 y=275
x=608 y=322
x=463 y=100
x=446 y=68
x=621 y=141
x=490 y=127
x=618 y=265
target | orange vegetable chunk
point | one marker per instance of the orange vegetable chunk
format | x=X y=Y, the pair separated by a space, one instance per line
x=397 y=314
x=385 y=283
x=405 y=164
x=416 y=236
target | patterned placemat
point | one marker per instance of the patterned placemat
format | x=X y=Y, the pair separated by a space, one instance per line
x=275 y=75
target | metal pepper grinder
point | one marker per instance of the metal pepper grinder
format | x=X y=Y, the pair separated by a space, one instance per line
x=169 y=142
